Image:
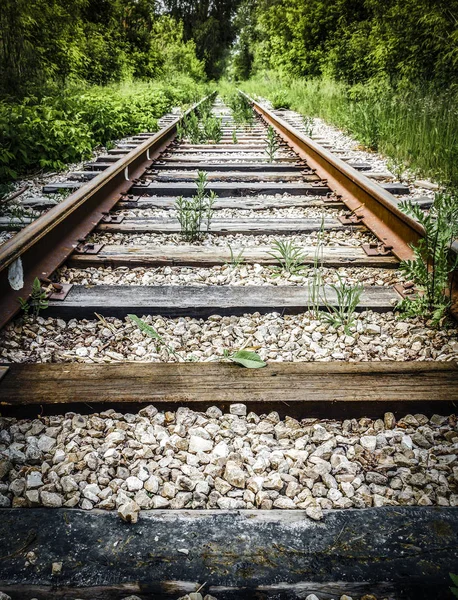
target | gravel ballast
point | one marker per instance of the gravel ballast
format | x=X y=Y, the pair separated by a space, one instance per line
x=186 y=459
x=275 y=337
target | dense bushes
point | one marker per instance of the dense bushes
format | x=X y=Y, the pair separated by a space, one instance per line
x=414 y=124
x=57 y=130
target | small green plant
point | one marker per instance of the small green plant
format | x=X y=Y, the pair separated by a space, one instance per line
x=212 y=129
x=454 y=589
x=396 y=166
x=308 y=123
x=347 y=299
x=236 y=258
x=191 y=129
x=433 y=262
x=36 y=302
x=180 y=131
x=289 y=255
x=272 y=144
x=246 y=358
x=145 y=328
x=193 y=212
x=17 y=211
x=234 y=137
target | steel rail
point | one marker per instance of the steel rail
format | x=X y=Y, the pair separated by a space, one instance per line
x=375 y=207
x=41 y=247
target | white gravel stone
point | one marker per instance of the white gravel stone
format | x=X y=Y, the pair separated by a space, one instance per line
x=199 y=444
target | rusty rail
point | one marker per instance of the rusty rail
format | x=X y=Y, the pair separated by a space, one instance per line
x=374 y=206
x=41 y=247
x=370 y=202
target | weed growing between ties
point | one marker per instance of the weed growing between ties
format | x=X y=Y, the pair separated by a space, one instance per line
x=341 y=312
x=289 y=255
x=36 y=302
x=308 y=123
x=241 y=109
x=201 y=126
x=17 y=214
x=272 y=144
x=237 y=258
x=196 y=212
x=434 y=261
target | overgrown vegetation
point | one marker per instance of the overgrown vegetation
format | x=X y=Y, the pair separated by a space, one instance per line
x=45 y=46
x=201 y=126
x=384 y=71
x=195 y=213
x=241 y=110
x=415 y=124
x=51 y=132
x=408 y=40
x=430 y=269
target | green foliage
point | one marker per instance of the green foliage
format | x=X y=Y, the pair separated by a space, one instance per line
x=241 y=110
x=194 y=212
x=245 y=358
x=234 y=137
x=272 y=144
x=191 y=129
x=47 y=44
x=350 y=41
x=212 y=128
x=51 y=132
x=454 y=589
x=37 y=300
x=414 y=124
x=210 y=25
x=201 y=126
x=280 y=99
x=433 y=261
x=289 y=255
x=347 y=299
x=308 y=123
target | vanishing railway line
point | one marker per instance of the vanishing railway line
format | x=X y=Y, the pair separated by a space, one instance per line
x=104 y=251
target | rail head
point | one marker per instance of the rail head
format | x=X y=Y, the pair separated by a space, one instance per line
x=377 y=207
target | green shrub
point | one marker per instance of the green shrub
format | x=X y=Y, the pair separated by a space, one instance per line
x=54 y=131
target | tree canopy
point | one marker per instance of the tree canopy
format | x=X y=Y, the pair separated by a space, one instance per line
x=350 y=40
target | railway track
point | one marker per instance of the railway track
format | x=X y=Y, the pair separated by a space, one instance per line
x=113 y=248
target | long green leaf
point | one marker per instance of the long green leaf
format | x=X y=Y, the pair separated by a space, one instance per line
x=248 y=359
x=145 y=327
